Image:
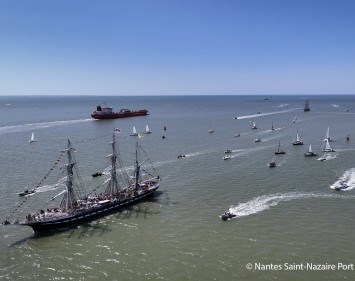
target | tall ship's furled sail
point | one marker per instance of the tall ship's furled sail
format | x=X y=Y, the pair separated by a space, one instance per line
x=76 y=208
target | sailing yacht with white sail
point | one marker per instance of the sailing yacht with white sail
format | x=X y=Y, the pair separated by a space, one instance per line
x=32 y=139
x=147 y=131
x=134 y=132
x=254 y=125
x=327 y=136
x=310 y=153
x=296 y=140
x=326 y=146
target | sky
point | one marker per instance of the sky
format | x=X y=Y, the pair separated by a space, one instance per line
x=177 y=47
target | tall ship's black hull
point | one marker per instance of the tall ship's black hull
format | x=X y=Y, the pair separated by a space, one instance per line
x=82 y=217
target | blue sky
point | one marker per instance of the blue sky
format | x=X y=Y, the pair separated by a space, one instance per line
x=177 y=47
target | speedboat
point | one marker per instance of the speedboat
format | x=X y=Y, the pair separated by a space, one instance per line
x=341 y=185
x=26 y=192
x=97 y=175
x=272 y=164
x=228 y=151
x=227 y=216
x=227 y=157
x=257 y=140
x=237 y=135
x=181 y=156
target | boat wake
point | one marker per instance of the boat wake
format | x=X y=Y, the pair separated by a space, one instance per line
x=328 y=156
x=40 y=125
x=263 y=114
x=348 y=177
x=265 y=202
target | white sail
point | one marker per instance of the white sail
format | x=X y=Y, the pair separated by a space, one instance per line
x=32 y=139
x=327 y=137
x=326 y=146
x=134 y=131
x=147 y=130
x=310 y=148
x=211 y=130
x=254 y=125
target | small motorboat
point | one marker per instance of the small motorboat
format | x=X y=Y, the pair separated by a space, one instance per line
x=181 y=156
x=227 y=157
x=272 y=164
x=228 y=151
x=227 y=216
x=97 y=175
x=257 y=140
x=237 y=135
x=341 y=185
x=26 y=192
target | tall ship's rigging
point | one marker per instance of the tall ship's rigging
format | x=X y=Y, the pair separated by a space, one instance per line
x=76 y=208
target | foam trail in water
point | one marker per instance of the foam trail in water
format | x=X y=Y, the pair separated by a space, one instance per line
x=265 y=202
x=349 y=178
x=263 y=114
x=41 y=125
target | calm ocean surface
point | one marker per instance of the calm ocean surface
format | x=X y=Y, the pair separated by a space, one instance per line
x=288 y=215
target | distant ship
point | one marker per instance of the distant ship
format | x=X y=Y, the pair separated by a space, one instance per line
x=306 y=106
x=106 y=112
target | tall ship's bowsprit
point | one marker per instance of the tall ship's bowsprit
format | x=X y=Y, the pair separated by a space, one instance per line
x=106 y=112
x=117 y=193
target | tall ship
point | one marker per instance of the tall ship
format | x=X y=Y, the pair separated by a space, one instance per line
x=306 y=106
x=106 y=112
x=114 y=194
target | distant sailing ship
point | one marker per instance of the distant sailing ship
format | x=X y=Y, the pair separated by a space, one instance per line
x=279 y=150
x=306 y=106
x=254 y=125
x=76 y=209
x=296 y=140
x=32 y=139
x=310 y=153
x=134 y=132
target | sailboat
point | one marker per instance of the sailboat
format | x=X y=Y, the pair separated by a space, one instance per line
x=279 y=150
x=296 y=140
x=310 y=152
x=306 y=106
x=326 y=146
x=32 y=139
x=147 y=131
x=327 y=135
x=77 y=208
x=254 y=125
x=211 y=130
x=134 y=132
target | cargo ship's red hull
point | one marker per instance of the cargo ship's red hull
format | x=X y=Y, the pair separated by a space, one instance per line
x=116 y=115
x=105 y=112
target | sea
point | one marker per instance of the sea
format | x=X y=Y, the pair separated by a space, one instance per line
x=290 y=224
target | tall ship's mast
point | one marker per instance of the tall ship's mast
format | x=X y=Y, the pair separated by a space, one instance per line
x=75 y=208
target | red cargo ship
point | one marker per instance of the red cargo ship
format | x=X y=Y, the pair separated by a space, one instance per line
x=106 y=112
